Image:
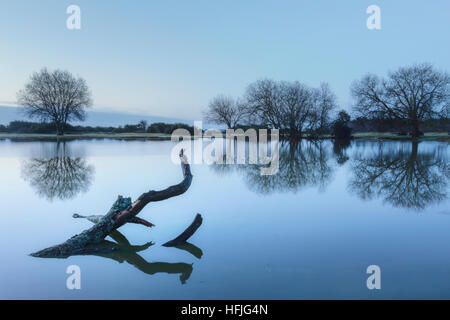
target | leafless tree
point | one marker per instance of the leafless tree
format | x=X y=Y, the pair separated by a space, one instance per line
x=289 y=106
x=414 y=93
x=325 y=104
x=225 y=110
x=55 y=96
x=297 y=102
x=264 y=103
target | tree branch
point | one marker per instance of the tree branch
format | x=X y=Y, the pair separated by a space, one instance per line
x=182 y=238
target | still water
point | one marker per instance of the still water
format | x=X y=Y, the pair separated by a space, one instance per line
x=310 y=231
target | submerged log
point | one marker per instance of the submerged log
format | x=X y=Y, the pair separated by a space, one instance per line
x=182 y=238
x=122 y=211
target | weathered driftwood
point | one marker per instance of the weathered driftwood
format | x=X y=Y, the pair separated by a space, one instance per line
x=122 y=211
x=97 y=218
x=182 y=238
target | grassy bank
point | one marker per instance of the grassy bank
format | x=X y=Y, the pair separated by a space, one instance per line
x=429 y=136
x=83 y=136
x=437 y=136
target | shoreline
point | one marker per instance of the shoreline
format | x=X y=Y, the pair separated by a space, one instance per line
x=379 y=136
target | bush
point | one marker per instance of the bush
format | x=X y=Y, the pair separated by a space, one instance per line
x=160 y=127
x=341 y=129
x=419 y=133
x=30 y=127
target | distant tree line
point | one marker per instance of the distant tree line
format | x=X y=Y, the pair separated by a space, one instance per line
x=406 y=100
x=160 y=127
x=26 y=127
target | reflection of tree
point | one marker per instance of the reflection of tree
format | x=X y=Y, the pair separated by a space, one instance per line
x=301 y=164
x=339 y=149
x=403 y=178
x=58 y=176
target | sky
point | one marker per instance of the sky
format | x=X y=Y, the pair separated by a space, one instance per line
x=170 y=58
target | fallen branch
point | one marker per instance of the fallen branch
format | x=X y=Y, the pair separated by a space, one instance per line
x=182 y=238
x=97 y=218
x=121 y=212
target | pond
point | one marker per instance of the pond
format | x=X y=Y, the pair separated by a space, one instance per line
x=309 y=231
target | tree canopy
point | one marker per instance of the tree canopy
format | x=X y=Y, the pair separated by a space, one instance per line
x=414 y=93
x=56 y=97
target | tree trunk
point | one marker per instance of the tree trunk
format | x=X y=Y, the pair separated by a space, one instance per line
x=415 y=129
x=59 y=128
x=121 y=212
x=295 y=134
x=414 y=149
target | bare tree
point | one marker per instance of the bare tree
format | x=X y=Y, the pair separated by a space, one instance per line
x=225 y=110
x=55 y=96
x=325 y=104
x=289 y=106
x=264 y=103
x=413 y=93
x=297 y=106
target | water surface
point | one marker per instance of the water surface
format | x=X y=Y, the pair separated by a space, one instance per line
x=310 y=231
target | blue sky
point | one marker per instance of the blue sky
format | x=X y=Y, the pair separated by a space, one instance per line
x=169 y=58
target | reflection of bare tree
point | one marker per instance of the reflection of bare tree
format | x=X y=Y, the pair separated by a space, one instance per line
x=301 y=164
x=403 y=178
x=58 y=176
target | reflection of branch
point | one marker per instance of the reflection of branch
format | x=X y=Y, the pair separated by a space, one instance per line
x=192 y=249
x=123 y=251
